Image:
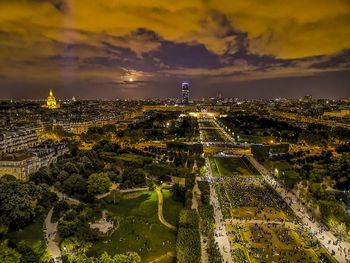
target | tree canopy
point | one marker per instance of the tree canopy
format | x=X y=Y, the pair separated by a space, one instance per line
x=99 y=183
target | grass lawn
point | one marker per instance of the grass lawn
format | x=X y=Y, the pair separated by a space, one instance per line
x=31 y=233
x=214 y=168
x=256 y=138
x=139 y=230
x=126 y=158
x=206 y=124
x=213 y=135
x=232 y=166
x=171 y=208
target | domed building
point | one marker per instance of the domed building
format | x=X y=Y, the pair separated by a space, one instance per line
x=51 y=102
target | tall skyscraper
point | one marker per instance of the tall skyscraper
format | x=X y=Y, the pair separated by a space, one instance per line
x=185 y=92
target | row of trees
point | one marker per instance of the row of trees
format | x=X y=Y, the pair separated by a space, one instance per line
x=184 y=193
x=313 y=134
x=188 y=243
x=128 y=257
x=250 y=124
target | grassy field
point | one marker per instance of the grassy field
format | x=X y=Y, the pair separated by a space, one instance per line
x=126 y=158
x=255 y=138
x=32 y=233
x=232 y=166
x=139 y=230
x=213 y=135
x=171 y=208
x=206 y=124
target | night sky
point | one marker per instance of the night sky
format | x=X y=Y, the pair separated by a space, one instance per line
x=246 y=48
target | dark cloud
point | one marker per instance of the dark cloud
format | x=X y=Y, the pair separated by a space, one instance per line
x=340 y=60
x=70 y=45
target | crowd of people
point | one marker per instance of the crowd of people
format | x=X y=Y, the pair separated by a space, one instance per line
x=237 y=192
x=272 y=233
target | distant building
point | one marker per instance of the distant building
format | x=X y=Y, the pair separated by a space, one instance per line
x=11 y=141
x=342 y=116
x=185 y=92
x=306 y=98
x=51 y=102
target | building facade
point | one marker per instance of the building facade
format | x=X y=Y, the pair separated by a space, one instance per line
x=21 y=165
x=18 y=165
x=185 y=92
x=12 y=141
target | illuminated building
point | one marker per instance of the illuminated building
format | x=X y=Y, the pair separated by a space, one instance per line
x=18 y=165
x=185 y=92
x=338 y=114
x=21 y=165
x=51 y=102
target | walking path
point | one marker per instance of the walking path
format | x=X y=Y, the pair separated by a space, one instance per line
x=220 y=227
x=115 y=186
x=62 y=196
x=163 y=257
x=50 y=231
x=160 y=210
x=195 y=194
x=340 y=249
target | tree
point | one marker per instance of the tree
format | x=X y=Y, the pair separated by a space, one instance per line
x=17 y=198
x=188 y=245
x=63 y=175
x=99 y=183
x=42 y=176
x=70 y=168
x=329 y=209
x=337 y=227
x=75 y=184
x=189 y=218
x=204 y=187
x=178 y=193
x=66 y=228
x=128 y=257
x=7 y=254
x=28 y=255
x=133 y=178
x=59 y=209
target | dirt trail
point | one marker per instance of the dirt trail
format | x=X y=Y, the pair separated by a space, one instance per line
x=160 y=210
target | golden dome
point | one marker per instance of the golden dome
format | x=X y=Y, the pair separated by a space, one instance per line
x=51 y=102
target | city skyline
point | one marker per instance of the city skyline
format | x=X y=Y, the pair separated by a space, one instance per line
x=144 y=49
